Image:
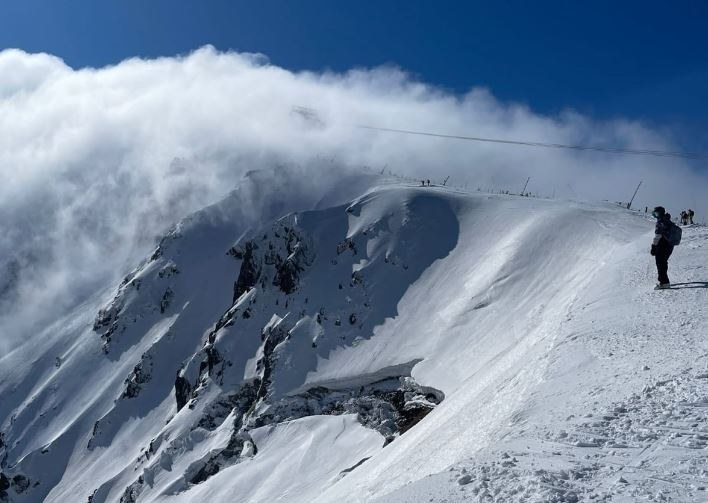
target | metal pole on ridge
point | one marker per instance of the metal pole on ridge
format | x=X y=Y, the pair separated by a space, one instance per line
x=525 y=185
x=629 y=204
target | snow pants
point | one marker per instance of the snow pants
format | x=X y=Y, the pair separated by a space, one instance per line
x=663 y=252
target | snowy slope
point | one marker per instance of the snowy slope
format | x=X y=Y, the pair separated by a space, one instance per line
x=620 y=411
x=387 y=347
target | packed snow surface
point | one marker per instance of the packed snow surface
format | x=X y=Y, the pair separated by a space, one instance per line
x=409 y=344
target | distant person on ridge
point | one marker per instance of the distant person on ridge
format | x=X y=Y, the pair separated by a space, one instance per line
x=663 y=244
x=684 y=217
x=690 y=216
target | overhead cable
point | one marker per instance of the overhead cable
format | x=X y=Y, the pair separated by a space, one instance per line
x=611 y=150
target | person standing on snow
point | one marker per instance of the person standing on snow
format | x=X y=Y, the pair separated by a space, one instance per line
x=690 y=216
x=684 y=217
x=661 y=247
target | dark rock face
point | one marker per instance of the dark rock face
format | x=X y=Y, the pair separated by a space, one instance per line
x=106 y=316
x=19 y=484
x=107 y=321
x=241 y=401
x=213 y=358
x=391 y=406
x=183 y=391
x=166 y=298
x=132 y=492
x=255 y=260
x=156 y=254
x=168 y=271
x=140 y=375
x=287 y=275
x=300 y=256
x=210 y=468
x=272 y=336
x=232 y=451
x=347 y=244
x=286 y=251
x=250 y=270
x=356 y=279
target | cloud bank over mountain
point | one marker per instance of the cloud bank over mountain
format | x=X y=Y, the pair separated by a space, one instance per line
x=95 y=163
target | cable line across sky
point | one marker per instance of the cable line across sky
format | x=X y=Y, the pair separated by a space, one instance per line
x=312 y=115
x=610 y=150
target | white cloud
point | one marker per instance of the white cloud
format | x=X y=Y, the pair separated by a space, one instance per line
x=95 y=162
x=23 y=73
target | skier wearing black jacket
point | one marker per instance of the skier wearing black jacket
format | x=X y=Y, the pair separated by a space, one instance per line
x=661 y=247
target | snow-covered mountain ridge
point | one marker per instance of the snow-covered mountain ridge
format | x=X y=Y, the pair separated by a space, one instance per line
x=363 y=350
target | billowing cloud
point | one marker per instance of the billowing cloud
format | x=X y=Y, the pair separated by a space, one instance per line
x=95 y=163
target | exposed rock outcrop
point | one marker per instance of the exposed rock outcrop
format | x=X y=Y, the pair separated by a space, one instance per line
x=183 y=391
x=140 y=375
x=250 y=269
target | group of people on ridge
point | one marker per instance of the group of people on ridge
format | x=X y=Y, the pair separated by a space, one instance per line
x=687 y=217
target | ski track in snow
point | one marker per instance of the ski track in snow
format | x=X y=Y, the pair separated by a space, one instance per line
x=565 y=377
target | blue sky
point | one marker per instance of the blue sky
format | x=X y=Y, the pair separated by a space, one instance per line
x=646 y=60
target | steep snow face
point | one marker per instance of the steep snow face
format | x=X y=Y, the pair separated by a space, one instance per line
x=337 y=353
x=491 y=312
x=620 y=412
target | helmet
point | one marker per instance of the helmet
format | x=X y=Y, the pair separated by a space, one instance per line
x=658 y=212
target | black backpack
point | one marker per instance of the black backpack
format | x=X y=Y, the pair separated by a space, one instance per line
x=673 y=235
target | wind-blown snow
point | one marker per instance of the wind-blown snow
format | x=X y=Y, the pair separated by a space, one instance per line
x=559 y=369
x=95 y=163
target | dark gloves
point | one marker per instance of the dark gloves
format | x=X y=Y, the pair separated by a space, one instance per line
x=653 y=250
